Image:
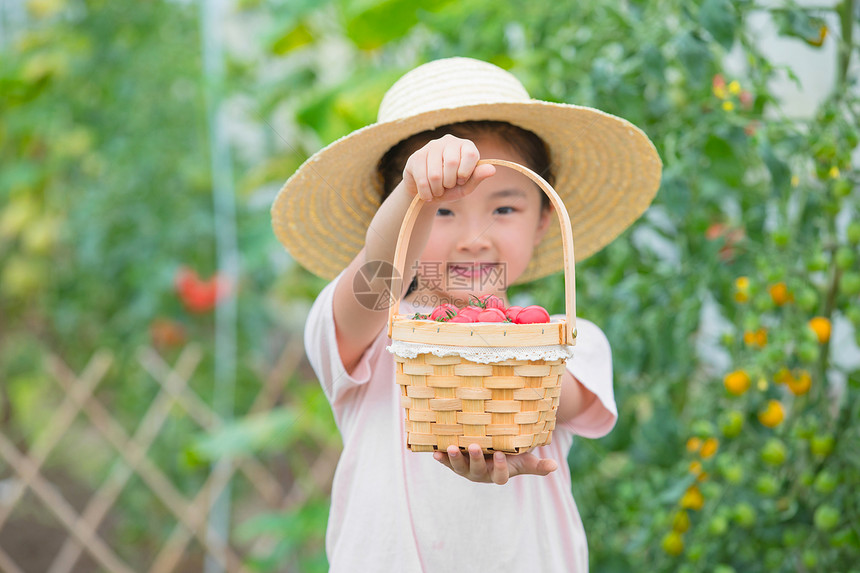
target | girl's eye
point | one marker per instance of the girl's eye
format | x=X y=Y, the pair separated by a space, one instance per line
x=443 y=212
x=505 y=210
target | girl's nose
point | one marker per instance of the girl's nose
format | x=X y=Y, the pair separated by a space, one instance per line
x=475 y=237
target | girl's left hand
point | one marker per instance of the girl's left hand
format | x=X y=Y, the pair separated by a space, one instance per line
x=497 y=468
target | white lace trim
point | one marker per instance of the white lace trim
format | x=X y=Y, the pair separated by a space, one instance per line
x=484 y=354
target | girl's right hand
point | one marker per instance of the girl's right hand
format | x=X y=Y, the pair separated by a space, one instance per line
x=497 y=468
x=445 y=169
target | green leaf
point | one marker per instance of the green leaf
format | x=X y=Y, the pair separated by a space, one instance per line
x=346 y=107
x=260 y=432
x=800 y=24
x=725 y=164
x=719 y=19
x=371 y=24
x=694 y=55
x=296 y=38
x=780 y=173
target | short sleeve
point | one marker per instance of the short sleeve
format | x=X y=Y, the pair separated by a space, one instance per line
x=321 y=347
x=591 y=365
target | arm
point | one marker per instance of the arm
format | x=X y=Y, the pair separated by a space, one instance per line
x=444 y=169
x=574 y=398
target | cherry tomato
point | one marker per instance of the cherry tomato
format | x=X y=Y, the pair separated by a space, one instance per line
x=492 y=301
x=533 y=314
x=471 y=311
x=512 y=311
x=444 y=311
x=462 y=318
x=491 y=315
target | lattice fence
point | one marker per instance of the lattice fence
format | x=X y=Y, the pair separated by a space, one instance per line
x=26 y=480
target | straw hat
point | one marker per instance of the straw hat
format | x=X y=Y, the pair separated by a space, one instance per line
x=606 y=170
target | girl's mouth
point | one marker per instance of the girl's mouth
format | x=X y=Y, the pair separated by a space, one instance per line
x=471 y=271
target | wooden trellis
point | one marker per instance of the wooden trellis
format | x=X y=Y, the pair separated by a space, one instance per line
x=190 y=514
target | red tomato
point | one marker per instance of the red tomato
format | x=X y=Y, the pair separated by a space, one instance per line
x=512 y=312
x=197 y=295
x=444 y=311
x=461 y=318
x=471 y=311
x=533 y=314
x=492 y=301
x=491 y=315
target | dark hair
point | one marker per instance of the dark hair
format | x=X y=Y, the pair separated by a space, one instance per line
x=531 y=147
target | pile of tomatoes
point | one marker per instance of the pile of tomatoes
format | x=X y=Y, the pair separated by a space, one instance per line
x=487 y=308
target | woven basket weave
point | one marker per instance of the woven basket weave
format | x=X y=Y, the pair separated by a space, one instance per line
x=507 y=406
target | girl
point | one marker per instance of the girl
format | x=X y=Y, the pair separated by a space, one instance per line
x=480 y=229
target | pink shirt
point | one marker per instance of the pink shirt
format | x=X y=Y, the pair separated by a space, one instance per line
x=397 y=510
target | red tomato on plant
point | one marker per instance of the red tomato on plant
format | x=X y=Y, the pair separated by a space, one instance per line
x=534 y=314
x=512 y=311
x=197 y=295
x=491 y=315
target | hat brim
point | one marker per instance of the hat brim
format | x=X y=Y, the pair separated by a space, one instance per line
x=606 y=171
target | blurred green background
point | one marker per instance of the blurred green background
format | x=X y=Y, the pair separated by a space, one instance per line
x=142 y=143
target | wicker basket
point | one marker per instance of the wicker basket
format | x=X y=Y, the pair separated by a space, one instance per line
x=506 y=406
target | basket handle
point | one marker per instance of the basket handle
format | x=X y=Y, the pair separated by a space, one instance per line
x=566 y=240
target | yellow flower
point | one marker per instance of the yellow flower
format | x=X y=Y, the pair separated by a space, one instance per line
x=693 y=498
x=762 y=384
x=773 y=415
x=695 y=467
x=737 y=382
x=709 y=448
x=734 y=87
x=800 y=384
x=693 y=444
x=795 y=180
x=728 y=106
x=821 y=327
x=834 y=172
x=702 y=476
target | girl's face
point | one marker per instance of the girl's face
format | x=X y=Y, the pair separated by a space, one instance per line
x=483 y=242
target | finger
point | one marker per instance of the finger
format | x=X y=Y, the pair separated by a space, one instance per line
x=477 y=463
x=469 y=157
x=450 y=166
x=480 y=173
x=546 y=466
x=416 y=170
x=529 y=464
x=409 y=181
x=456 y=460
x=500 y=468
x=434 y=166
x=442 y=458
